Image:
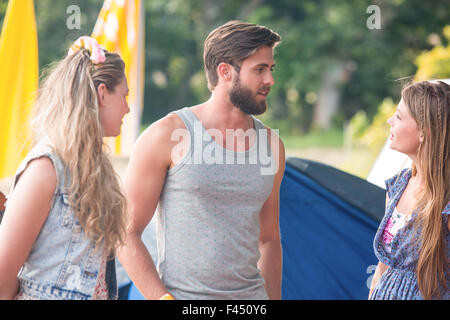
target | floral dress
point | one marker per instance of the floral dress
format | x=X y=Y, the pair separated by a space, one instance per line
x=399 y=281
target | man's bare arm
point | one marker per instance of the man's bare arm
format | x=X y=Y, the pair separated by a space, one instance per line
x=144 y=180
x=270 y=262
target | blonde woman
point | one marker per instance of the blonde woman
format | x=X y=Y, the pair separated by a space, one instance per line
x=413 y=240
x=65 y=213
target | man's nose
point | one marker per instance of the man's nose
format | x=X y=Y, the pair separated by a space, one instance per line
x=269 y=80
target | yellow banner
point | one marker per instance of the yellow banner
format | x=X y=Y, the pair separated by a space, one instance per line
x=120 y=28
x=19 y=80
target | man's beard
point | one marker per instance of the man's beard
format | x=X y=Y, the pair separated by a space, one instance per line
x=243 y=98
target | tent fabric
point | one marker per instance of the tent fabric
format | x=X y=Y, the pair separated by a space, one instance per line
x=328 y=220
x=365 y=196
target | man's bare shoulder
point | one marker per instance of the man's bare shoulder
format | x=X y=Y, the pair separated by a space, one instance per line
x=274 y=134
x=161 y=131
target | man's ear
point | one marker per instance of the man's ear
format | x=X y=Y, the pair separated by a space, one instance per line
x=101 y=93
x=224 y=71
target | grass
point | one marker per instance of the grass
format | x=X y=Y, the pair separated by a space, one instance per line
x=328 y=147
x=317 y=139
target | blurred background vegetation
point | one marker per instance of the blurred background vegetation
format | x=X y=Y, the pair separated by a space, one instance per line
x=337 y=81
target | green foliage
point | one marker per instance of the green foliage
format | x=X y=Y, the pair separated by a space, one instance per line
x=365 y=138
x=54 y=38
x=360 y=134
x=3 y=7
x=332 y=138
x=317 y=35
x=357 y=126
x=435 y=64
x=432 y=64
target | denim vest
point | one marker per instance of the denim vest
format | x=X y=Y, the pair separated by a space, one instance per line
x=63 y=263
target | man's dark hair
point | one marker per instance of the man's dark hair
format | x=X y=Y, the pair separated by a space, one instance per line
x=232 y=43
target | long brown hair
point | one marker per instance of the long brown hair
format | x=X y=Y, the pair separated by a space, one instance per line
x=429 y=104
x=66 y=112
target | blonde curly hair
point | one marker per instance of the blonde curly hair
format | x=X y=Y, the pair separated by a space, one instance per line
x=67 y=113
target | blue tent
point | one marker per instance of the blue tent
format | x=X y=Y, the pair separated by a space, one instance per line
x=328 y=220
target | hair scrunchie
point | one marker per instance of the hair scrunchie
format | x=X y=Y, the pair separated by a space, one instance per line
x=91 y=45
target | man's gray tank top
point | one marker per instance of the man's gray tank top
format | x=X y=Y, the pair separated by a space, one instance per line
x=208 y=217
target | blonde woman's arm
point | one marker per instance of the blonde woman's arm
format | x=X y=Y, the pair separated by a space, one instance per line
x=27 y=209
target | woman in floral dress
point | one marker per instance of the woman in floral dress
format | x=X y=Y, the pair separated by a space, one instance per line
x=413 y=239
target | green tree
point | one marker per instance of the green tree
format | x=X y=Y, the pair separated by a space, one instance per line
x=322 y=40
x=3 y=6
x=318 y=35
x=435 y=64
x=54 y=36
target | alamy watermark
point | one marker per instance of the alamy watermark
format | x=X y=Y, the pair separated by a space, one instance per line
x=74 y=19
x=370 y=270
x=210 y=147
x=374 y=20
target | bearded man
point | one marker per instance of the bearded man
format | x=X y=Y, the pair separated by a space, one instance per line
x=217 y=221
